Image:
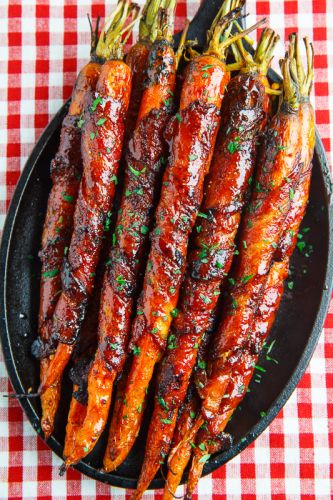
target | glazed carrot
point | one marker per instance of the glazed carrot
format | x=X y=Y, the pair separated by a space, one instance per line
x=208 y=439
x=82 y=359
x=191 y=136
x=145 y=161
x=102 y=138
x=66 y=171
x=185 y=421
x=277 y=177
x=137 y=57
x=244 y=113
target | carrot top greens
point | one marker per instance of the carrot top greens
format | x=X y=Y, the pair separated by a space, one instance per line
x=116 y=32
x=218 y=36
x=149 y=22
x=303 y=80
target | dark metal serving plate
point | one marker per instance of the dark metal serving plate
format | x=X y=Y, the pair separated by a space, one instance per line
x=297 y=328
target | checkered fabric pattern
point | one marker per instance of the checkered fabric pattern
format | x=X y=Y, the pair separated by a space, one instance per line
x=43 y=44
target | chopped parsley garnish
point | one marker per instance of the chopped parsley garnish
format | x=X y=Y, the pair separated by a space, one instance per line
x=136 y=350
x=204 y=458
x=205 y=300
x=247 y=278
x=233 y=146
x=290 y=285
x=166 y=421
x=192 y=157
x=67 y=197
x=202 y=364
x=164 y=405
x=201 y=214
x=144 y=229
x=100 y=122
x=50 y=274
x=137 y=173
x=172 y=341
x=174 y=313
x=80 y=123
x=95 y=103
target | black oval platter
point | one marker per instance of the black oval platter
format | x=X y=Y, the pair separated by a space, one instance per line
x=296 y=330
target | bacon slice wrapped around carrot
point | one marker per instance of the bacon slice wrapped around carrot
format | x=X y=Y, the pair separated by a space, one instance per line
x=102 y=139
x=209 y=438
x=137 y=56
x=244 y=114
x=145 y=162
x=66 y=171
x=191 y=135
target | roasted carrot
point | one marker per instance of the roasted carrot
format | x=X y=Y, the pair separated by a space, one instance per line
x=207 y=441
x=244 y=113
x=191 y=136
x=102 y=138
x=277 y=177
x=82 y=358
x=210 y=439
x=145 y=161
x=66 y=171
x=137 y=57
x=185 y=421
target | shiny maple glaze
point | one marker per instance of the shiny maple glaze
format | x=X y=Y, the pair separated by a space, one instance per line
x=102 y=139
x=191 y=136
x=299 y=203
x=137 y=59
x=145 y=161
x=244 y=113
x=265 y=315
x=66 y=171
x=278 y=172
x=76 y=415
x=212 y=438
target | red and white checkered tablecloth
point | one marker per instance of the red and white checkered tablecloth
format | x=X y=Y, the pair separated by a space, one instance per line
x=43 y=44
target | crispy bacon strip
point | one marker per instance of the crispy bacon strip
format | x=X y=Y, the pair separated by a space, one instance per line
x=191 y=139
x=66 y=171
x=244 y=114
x=145 y=163
x=102 y=138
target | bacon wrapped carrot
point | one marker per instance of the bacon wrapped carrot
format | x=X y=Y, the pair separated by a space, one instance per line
x=102 y=139
x=244 y=113
x=137 y=57
x=66 y=171
x=145 y=162
x=191 y=135
x=208 y=440
x=277 y=177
